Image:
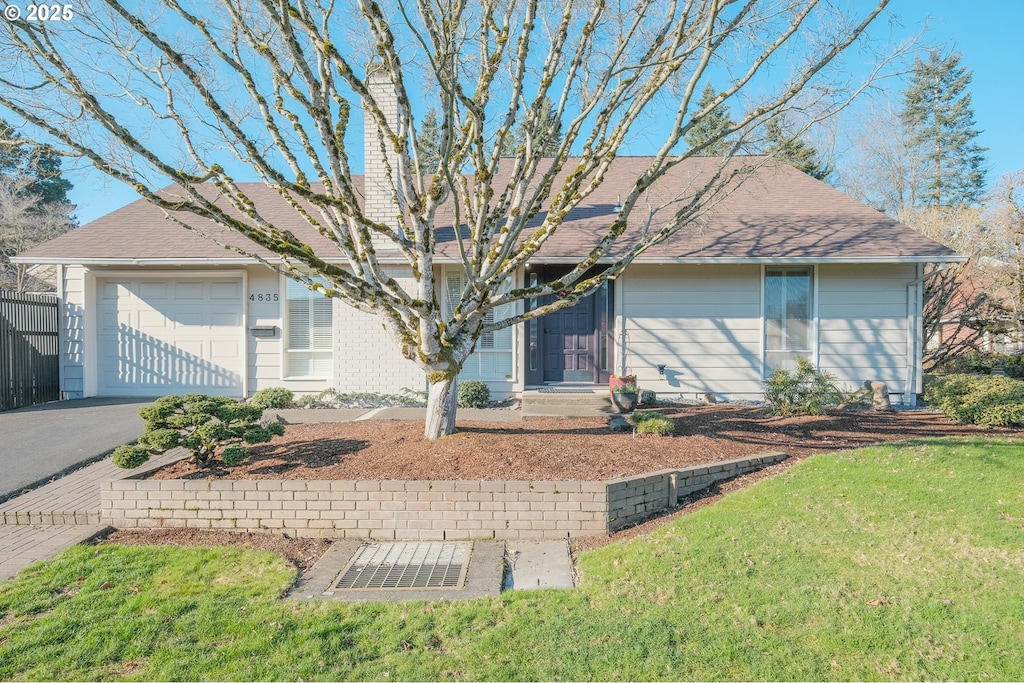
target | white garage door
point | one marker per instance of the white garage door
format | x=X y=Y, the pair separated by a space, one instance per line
x=158 y=336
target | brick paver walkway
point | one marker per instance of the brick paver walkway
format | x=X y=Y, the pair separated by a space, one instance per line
x=21 y=546
x=37 y=525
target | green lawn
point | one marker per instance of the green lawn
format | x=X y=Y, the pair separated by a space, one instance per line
x=895 y=562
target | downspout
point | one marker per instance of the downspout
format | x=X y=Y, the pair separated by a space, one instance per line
x=914 y=294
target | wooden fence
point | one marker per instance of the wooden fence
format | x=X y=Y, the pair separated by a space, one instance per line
x=29 y=371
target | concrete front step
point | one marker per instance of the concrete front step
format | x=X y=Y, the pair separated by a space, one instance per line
x=585 y=403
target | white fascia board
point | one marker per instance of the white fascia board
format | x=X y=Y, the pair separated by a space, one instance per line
x=69 y=261
x=538 y=261
x=805 y=260
x=171 y=263
x=801 y=261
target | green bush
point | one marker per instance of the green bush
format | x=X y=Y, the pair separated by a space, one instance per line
x=473 y=394
x=803 y=391
x=128 y=457
x=201 y=424
x=654 y=424
x=978 y=399
x=272 y=397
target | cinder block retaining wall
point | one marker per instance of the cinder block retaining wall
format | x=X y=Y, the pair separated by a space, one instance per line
x=410 y=510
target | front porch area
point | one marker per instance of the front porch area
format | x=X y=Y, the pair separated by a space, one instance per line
x=563 y=400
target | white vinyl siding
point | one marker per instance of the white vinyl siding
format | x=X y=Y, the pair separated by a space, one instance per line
x=492 y=357
x=706 y=325
x=72 y=293
x=862 y=323
x=310 y=333
x=703 y=323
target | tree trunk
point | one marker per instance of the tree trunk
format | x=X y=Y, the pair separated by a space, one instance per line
x=441 y=405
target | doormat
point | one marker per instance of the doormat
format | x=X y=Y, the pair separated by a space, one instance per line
x=561 y=390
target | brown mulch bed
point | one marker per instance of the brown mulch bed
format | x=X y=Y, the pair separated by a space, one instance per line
x=559 y=449
x=542 y=449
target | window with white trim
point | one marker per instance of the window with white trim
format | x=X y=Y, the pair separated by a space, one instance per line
x=787 y=317
x=310 y=337
x=492 y=357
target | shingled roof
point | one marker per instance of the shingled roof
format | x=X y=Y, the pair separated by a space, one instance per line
x=778 y=214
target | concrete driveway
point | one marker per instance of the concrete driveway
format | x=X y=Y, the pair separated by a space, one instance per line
x=39 y=442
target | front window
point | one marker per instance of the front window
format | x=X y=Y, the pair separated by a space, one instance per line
x=787 y=317
x=492 y=357
x=310 y=333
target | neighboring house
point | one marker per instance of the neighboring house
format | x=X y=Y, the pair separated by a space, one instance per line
x=979 y=311
x=785 y=266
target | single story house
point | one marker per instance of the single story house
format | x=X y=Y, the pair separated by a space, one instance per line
x=784 y=266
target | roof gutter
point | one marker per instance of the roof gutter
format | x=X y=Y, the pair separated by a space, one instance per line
x=801 y=260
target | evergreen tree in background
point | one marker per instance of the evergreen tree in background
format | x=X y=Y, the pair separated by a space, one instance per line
x=794 y=151
x=707 y=137
x=39 y=163
x=937 y=111
x=428 y=142
x=33 y=204
x=547 y=138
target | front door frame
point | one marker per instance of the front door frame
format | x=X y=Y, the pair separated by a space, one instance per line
x=533 y=330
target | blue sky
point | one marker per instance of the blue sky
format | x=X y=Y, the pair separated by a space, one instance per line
x=987 y=32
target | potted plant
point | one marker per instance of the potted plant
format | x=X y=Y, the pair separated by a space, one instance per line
x=625 y=396
x=620 y=380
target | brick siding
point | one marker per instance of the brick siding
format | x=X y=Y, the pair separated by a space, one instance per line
x=410 y=510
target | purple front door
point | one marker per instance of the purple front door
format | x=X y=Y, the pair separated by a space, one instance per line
x=569 y=341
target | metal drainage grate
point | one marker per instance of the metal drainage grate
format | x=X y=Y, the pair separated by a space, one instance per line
x=379 y=566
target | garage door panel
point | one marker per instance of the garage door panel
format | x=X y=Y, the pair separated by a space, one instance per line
x=224 y=350
x=195 y=291
x=189 y=319
x=232 y=319
x=231 y=291
x=165 y=335
x=148 y=320
x=152 y=291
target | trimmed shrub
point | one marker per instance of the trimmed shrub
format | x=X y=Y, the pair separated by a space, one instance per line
x=272 y=397
x=803 y=391
x=128 y=457
x=473 y=394
x=201 y=424
x=978 y=399
x=653 y=424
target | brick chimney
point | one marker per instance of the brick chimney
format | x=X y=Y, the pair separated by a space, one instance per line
x=378 y=203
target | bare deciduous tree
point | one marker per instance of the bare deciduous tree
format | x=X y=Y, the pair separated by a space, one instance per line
x=1005 y=221
x=26 y=219
x=882 y=165
x=267 y=87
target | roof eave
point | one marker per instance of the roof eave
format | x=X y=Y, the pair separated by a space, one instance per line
x=541 y=260
x=801 y=260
